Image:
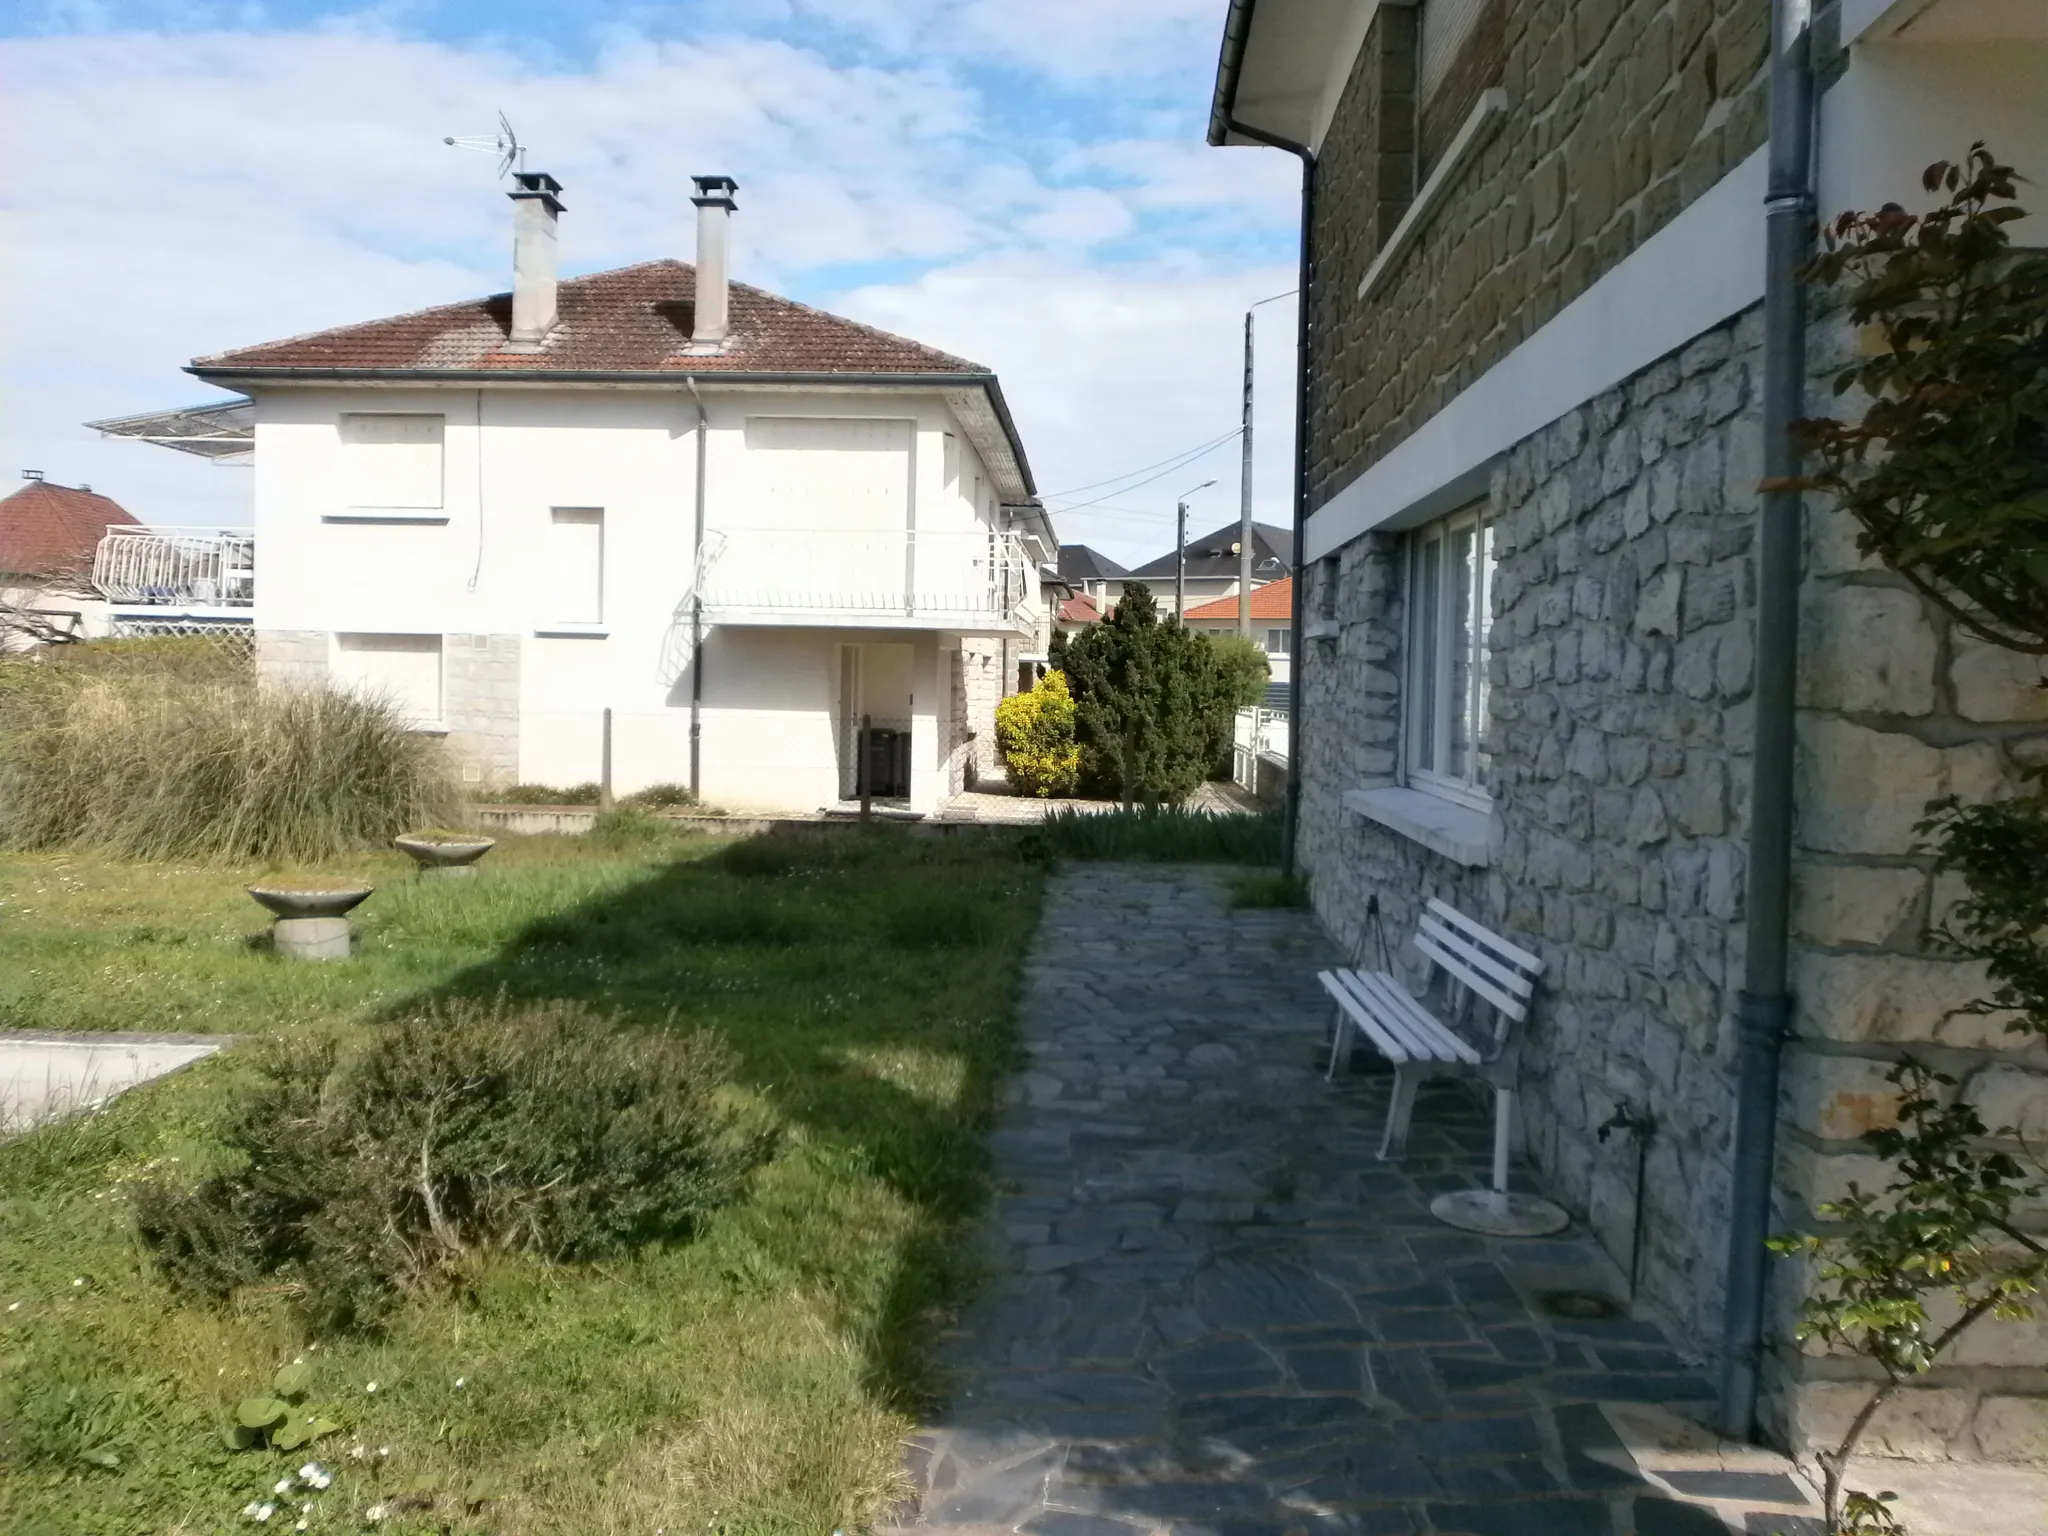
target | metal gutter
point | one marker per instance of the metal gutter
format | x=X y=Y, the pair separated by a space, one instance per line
x=1237 y=25
x=1765 y=1010
x=697 y=607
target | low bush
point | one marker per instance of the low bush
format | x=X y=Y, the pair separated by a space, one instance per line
x=660 y=797
x=1268 y=889
x=1166 y=833
x=545 y=794
x=154 y=762
x=365 y=1173
x=1035 y=739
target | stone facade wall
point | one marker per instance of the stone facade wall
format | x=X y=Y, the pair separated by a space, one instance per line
x=1621 y=663
x=292 y=658
x=984 y=681
x=480 y=703
x=1620 y=674
x=1620 y=112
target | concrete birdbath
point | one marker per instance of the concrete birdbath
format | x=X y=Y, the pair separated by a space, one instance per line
x=312 y=924
x=444 y=857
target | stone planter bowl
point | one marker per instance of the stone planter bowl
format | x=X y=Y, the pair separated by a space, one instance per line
x=311 y=924
x=444 y=856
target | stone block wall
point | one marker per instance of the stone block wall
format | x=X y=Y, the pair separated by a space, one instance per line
x=292 y=658
x=984 y=679
x=1620 y=112
x=1621 y=663
x=480 y=704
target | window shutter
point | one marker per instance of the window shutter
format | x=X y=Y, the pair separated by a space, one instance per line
x=391 y=462
x=576 y=565
x=403 y=669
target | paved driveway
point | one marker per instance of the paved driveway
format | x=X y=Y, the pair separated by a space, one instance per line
x=1213 y=1309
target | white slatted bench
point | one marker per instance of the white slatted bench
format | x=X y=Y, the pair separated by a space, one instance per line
x=1482 y=967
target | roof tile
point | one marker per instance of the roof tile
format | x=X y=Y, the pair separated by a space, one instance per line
x=52 y=530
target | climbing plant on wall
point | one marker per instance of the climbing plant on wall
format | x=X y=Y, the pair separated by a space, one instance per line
x=1946 y=471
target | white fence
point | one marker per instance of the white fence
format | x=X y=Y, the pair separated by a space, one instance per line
x=966 y=579
x=192 y=567
x=1258 y=757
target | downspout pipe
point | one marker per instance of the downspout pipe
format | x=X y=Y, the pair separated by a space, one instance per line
x=1221 y=126
x=1765 y=1009
x=697 y=608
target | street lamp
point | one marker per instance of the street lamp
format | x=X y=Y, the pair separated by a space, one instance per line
x=1180 y=551
x=1244 y=516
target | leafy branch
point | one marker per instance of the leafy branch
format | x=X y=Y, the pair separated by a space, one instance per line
x=1947 y=468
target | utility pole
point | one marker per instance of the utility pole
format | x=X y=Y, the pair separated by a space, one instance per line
x=1180 y=551
x=1244 y=515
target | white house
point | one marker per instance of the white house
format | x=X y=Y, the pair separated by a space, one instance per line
x=733 y=526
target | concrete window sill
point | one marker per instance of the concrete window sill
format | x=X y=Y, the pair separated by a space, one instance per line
x=1470 y=138
x=395 y=515
x=572 y=632
x=1458 y=832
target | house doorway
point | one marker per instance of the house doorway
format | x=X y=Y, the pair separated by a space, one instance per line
x=874 y=684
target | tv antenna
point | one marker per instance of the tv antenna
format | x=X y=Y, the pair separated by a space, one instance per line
x=504 y=144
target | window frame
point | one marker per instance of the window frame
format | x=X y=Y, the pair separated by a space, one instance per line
x=1438 y=658
x=577 y=516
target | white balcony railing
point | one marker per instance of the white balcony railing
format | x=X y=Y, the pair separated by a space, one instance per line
x=955 y=578
x=190 y=567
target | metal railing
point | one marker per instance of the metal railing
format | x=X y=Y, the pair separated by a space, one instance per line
x=967 y=577
x=195 y=567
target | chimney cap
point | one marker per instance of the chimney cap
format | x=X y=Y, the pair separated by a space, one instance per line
x=31 y=474
x=715 y=192
x=536 y=184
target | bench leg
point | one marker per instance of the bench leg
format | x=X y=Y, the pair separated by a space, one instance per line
x=1340 y=1031
x=1503 y=1127
x=1407 y=1078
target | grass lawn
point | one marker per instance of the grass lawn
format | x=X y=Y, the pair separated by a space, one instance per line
x=760 y=1378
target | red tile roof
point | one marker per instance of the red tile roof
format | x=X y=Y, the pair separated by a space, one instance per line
x=1275 y=600
x=52 y=530
x=1080 y=610
x=632 y=320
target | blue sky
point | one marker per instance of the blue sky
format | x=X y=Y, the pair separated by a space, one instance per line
x=1023 y=184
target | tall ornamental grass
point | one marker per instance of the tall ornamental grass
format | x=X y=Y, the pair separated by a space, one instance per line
x=202 y=764
x=1168 y=833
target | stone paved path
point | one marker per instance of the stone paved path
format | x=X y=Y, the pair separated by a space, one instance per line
x=1214 y=1311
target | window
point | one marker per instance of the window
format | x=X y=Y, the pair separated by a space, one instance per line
x=1279 y=642
x=405 y=669
x=391 y=463
x=576 y=565
x=1446 y=25
x=1450 y=581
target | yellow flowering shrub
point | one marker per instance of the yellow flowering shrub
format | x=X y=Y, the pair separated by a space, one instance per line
x=1035 y=739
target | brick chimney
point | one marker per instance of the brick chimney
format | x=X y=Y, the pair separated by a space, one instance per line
x=714 y=261
x=536 y=212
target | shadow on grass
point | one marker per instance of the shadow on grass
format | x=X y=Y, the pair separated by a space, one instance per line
x=866 y=979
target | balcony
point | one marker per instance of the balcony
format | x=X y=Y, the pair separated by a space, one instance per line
x=188 y=568
x=971 y=580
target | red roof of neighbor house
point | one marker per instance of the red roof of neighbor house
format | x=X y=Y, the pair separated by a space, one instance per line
x=1275 y=600
x=52 y=530
x=631 y=320
x=1080 y=609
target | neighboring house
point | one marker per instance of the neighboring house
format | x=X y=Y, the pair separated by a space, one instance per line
x=1212 y=565
x=724 y=527
x=1534 y=439
x=48 y=533
x=1076 y=613
x=1091 y=574
x=1272 y=621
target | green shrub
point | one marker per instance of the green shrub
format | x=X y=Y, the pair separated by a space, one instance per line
x=1268 y=890
x=370 y=1172
x=546 y=794
x=1035 y=739
x=148 y=763
x=1166 y=833
x=660 y=797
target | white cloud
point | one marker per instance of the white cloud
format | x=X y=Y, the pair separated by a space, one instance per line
x=175 y=194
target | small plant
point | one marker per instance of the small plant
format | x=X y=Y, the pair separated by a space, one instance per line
x=1268 y=890
x=1944 y=1224
x=1035 y=739
x=371 y=1172
x=278 y=1420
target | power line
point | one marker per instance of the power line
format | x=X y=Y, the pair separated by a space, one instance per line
x=1198 y=449
x=1172 y=468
